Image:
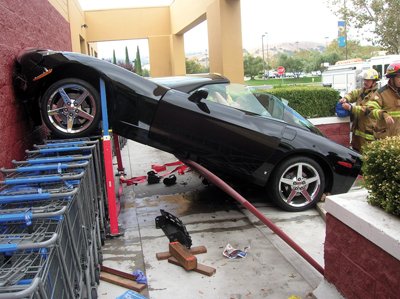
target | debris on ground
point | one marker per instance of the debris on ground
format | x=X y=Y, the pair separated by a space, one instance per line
x=233 y=253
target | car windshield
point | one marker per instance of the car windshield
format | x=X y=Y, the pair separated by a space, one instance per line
x=264 y=104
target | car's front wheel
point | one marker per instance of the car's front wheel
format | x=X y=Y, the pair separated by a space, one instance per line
x=71 y=108
x=297 y=184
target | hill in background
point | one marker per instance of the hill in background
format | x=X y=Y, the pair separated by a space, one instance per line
x=273 y=49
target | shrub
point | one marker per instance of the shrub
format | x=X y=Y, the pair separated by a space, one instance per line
x=381 y=173
x=309 y=101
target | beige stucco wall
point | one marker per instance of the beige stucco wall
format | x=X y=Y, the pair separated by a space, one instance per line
x=61 y=6
x=127 y=23
x=164 y=27
x=71 y=10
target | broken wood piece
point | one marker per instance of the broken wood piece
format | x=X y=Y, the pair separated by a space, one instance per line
x=194 y=250
x=123 y=282
x=203 y=269
x=120 y=278
x=182 y=254
x=117 y=272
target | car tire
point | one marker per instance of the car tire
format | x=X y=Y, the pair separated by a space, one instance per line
x=66 y=118
x=292 y=192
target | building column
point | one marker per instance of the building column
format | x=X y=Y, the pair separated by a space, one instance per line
x=167 y=56
x=225 y=39
x=178 y=55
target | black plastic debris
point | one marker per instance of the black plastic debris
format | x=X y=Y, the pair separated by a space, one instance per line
x=169 y=181
x=173 y=228
x=152 y=177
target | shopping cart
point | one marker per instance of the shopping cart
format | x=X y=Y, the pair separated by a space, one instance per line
x=52 y=149
x=61 y=215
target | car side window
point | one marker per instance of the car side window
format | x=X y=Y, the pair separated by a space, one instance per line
x=235 y=96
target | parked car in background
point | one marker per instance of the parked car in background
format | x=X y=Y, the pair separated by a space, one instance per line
x=316 y=73
x=289 y=75
x=272 y=74
x=245 y=137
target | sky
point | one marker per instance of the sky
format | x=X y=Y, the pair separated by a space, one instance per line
x=283 y=21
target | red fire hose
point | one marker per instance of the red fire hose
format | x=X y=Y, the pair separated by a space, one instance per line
x=225 y=187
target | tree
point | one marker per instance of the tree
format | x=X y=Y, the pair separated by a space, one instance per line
x=252 y=65
x=114 y=58
x=126 y=65
x=193 y=66
x=138 y=63
x=332 y=57
x=354 y=49
x=126 y=55
x=313 y=63
x=380 y=15
x=290 y=63
x=146 y=73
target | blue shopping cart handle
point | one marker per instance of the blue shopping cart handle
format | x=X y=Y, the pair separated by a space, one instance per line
x=24 y=281
x=51 y=160
x=25 y=216
x=24 y=197
x=28 y=245
x=8 y=247
x=64 y=144
x=30 y=180
x=56 y=159
x=58 y=149
x=42 y=167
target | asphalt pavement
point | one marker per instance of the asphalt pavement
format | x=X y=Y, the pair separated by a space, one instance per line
x=271 y=269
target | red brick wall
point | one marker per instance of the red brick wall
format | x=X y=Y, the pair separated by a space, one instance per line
x=337 y=132
x=357 y=267
x=24 y=23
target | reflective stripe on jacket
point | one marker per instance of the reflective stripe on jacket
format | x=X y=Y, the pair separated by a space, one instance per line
x=362 y=124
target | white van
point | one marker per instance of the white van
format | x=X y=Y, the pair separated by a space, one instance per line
x=381 y=63
x=344 y=76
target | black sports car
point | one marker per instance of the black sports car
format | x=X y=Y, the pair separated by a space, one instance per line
x=238 y=135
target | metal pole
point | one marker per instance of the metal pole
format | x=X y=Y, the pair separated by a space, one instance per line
x=262 y=41
x=108 y=164
x=267 y=53
x=345 y=26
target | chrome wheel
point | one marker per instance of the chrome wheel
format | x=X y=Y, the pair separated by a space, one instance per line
x=298 y=184
x=71 y=108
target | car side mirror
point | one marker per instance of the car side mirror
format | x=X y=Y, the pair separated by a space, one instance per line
x=199 y=94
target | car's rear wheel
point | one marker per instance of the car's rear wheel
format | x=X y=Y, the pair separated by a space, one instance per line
x=71 y=108
x=297 y=184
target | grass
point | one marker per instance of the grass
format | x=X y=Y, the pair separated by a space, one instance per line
x=278 y=81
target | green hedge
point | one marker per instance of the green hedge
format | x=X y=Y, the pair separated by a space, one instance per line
x=381 y=173
x=309 y=101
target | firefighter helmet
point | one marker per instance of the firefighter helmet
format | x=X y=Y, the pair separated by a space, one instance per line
x=370 y=74
x=393 y=70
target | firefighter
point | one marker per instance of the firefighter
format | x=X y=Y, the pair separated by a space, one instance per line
x=362 y=127
x=384 y=106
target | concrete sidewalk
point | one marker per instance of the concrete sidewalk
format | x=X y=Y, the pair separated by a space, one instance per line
x=271 y=269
